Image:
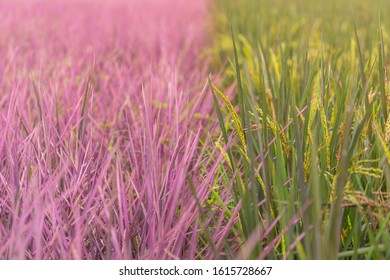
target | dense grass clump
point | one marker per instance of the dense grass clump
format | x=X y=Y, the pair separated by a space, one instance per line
x=306 y=133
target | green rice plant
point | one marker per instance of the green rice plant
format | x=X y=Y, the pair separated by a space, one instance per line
x=306 y=129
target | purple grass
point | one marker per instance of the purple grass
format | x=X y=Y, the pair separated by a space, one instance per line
x=103 y=124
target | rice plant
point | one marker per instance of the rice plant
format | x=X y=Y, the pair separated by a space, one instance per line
x=103 y=129
x=305 y=129
x=207 y=129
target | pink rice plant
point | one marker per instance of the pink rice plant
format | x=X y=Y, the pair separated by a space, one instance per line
x=104 y=134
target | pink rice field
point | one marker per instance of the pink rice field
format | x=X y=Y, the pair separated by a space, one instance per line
x=194 y=130
x=104 y=129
